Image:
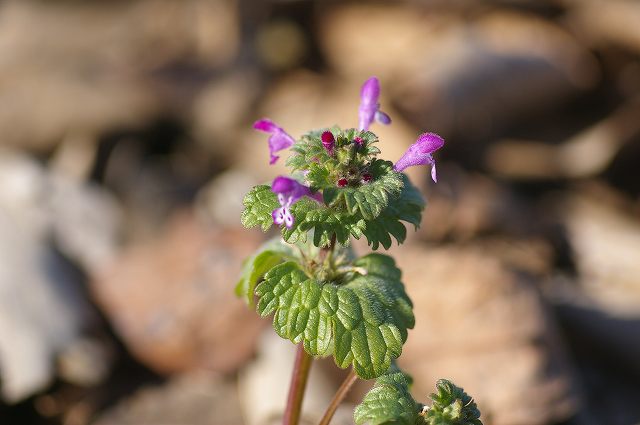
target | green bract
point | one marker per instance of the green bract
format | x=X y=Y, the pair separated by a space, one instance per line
x=347 y=155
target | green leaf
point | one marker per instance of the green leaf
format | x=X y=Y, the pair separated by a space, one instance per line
x=452 y=406
x=303 y=309
x=259 y=203
x=362 y=317
x=255 y=267
x=325 y=222
x=408 y=207
x=309 y=150
x=370 y=199
x=318 y=176
x=389 y=402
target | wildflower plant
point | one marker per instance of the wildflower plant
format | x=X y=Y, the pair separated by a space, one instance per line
x=322 y=296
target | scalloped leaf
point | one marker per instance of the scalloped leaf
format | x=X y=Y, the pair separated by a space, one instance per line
x=363 y=319
x=407 y=207
x=326 y=222
x=259 y=203
x=368 y=199
x=303 y=309
x=389 y=402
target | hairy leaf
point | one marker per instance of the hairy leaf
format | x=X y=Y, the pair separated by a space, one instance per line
x=369 y=199
x=326 y=222
x=303 y=309
x=362 y=317
x=259 y=203
x=389 y=402
x=406 y=207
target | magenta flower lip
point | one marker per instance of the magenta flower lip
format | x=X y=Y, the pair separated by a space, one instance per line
x=289 y=191
x=421 y=153
x=278 y=140
x=369 y=109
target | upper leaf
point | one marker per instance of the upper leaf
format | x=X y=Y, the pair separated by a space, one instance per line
x=327 y=222
x=408 y=207
x=259 y=203
x=367 y=199
x=389 y=402
x=361 y=318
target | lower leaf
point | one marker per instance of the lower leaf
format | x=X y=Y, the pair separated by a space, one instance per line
x=362 y=320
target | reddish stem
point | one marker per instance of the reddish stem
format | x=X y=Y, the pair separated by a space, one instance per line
x=298 y=384
x=338 y=397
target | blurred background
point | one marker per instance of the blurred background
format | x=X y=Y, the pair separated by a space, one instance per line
x=126 y=148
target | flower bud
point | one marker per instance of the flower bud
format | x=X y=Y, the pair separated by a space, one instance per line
x=328 y=141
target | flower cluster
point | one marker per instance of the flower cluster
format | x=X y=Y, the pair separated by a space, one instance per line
x=290 y=190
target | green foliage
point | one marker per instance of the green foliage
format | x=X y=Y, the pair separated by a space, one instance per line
x=389 y=402
x=367 y=199
x=406 y=207
x=323 y=222
x=374 y=202
x=309 y=150
x=361 y=317
x=259 y=203
x=353 y=309
x=254 y=268
x=452 y=406
x=326 y=222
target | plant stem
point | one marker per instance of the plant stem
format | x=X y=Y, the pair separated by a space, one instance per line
x=338 y=397
x=302 y=364
x=298 y=384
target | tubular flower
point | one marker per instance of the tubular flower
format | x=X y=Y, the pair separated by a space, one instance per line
x=369 y=107
x=289 y=191
x=420 y=153
x=278 y=140
x=328 y=141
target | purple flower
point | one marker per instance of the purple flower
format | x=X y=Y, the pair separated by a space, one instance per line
x=369 y=106
x=278 y=140
x=289 y=191
x=420 y=153
x=328 y=141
